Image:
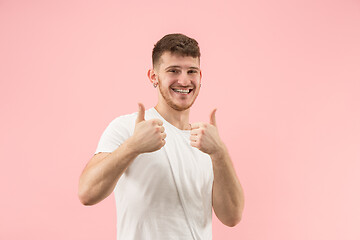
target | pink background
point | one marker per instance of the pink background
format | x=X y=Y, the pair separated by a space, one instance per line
x=284 y=75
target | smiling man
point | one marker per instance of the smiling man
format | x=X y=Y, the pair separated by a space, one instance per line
x=166 y=173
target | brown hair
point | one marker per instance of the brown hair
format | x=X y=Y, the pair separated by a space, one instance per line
x=175 y=43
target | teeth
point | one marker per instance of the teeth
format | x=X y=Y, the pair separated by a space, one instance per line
x=181 y=90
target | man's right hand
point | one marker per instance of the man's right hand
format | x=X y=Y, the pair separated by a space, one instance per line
x=100 y=175
x=149 y=136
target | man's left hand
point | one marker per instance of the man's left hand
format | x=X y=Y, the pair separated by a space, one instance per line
x=205 y=136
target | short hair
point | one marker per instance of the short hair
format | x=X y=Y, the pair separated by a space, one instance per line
x=175 y=43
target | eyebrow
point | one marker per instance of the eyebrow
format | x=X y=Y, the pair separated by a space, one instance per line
x=176 y=66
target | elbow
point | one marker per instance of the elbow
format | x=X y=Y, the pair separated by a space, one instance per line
x=233 y=221
x=235 y=218
x=85 y=201
x=85 y=197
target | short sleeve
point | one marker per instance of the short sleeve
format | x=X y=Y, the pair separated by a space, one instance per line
x=117 y=132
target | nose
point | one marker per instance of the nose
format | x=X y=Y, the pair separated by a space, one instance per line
x=184 y=80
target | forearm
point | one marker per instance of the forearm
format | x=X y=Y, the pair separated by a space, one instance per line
x=99 y=179
x=228 y=195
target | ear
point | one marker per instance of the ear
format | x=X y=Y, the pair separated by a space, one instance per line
x=200 y=76
x=152 y=76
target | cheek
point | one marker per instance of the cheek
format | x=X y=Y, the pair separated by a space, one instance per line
x=171 y=82
x=197 y=83
x=164 y=81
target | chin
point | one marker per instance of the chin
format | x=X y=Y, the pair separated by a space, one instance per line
x=178 y=107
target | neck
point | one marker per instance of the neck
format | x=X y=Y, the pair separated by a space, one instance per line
x=179 y=119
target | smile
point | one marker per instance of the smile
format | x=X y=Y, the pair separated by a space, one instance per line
x=182 y=91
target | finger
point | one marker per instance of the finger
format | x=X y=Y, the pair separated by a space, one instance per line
x=163 y=136
x=141 y=113
x=212 y=117
x=196 y=125
x=158 y=121
x=162 y=129
x=193 y=138
x=197 y=131
x=194 y=144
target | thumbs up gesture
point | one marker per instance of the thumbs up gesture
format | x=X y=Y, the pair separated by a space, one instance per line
x=205 y=136
x=148 y=136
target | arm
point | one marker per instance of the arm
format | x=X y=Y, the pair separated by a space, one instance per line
x=101 y=174
x=103 y=171
x=228 y=196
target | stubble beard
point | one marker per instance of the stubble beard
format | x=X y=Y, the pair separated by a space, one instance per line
x=170 y=102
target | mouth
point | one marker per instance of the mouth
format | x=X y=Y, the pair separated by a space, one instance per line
x=182 y=91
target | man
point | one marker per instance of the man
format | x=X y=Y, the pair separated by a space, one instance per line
x=166 y=173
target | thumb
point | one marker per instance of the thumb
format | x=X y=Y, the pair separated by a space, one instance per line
x=141 y=114
x=212 y=117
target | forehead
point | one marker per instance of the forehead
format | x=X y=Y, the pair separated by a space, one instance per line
x=172 y=59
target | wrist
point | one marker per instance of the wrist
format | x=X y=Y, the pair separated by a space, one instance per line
x=132 y=147
x=219 y=152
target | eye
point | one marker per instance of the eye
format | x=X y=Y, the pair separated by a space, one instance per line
x=173 y=70
x=192 y=71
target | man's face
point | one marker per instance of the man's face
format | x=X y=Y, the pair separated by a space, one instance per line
x=179 y=80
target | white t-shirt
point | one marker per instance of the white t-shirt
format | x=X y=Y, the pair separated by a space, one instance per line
x=166 y=194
